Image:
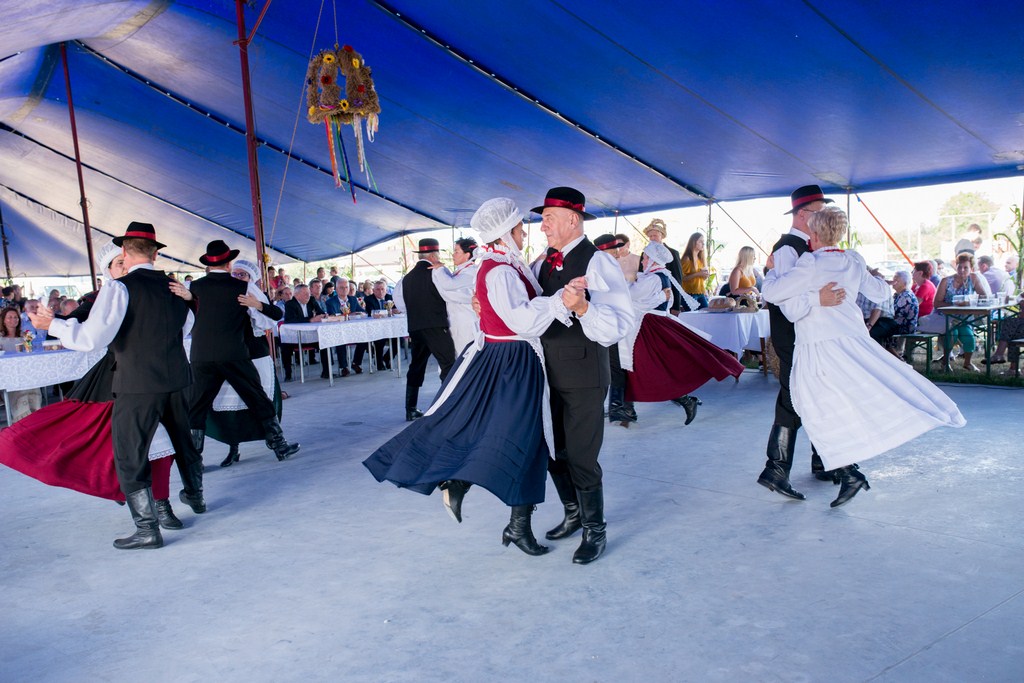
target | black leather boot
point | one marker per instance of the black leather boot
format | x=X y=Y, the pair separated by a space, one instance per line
x=275 y=439
x=567 y=494
x=192 y=480
x=689 y=404
x=594 y=536
x=775 y=477
x=199 y=439
x=233 y=456
x=454 y=492
x=520 y=532
x=165 y=515
x=412 y=395
x=818 y=468
x=147 y=530
x=620 y=410
x=851 y=481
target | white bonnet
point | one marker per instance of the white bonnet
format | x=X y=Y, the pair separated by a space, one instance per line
x=249 y=267
x=658 y=253
x=107 y=253
x=495 y=218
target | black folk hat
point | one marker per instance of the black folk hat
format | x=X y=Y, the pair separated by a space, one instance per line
x=565 y=198
x=608 y=242
x=140 y=231
x=428 y=245
x=218 y=253
x=802 y=196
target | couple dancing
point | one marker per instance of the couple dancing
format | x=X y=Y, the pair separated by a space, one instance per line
x=532 y=385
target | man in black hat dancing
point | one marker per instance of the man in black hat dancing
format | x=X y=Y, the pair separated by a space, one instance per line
x=576 y=360
x=219 y=350
x=428 y=323
x=140 y=320
x=805 y=201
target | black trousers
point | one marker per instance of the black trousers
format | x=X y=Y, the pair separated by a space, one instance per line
x=243 y=378
x=883 y=330
x=577 y=416
x=380 y=349
x=615 y=365
x=785 y=414
x=292 y=350
x=134 y=421
x=433 y=341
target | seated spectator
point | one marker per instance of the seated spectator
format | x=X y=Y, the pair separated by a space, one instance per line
x=1011 y=266
x=1010 y=328
x=963 y=282
x=301 y=309
x=31 y=306
x=938 y=271
x=331 y=300
x=878 y=317
x=741 y=279
x=28 y=400
x=283 y=296
x=7 y=297
x=378 y=301
x=905 y=309
x=995 y=277
x=923 y=288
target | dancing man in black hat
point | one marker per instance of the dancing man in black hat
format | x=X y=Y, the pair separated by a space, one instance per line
x=140 y=320
x=219 y=350
x=427 y=313
x=576 y=360
x=806 y=201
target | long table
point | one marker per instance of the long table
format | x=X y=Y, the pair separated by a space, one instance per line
x=731 y=331
x=330 y=334
x=976 y=317
x=19 y=371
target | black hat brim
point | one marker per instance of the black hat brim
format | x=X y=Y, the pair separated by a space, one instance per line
x=232 y=255
x=539 y=210
x=118 y=240
x=797 y=208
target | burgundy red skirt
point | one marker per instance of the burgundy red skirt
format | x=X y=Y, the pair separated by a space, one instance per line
x=670 y=361
x=70 y=444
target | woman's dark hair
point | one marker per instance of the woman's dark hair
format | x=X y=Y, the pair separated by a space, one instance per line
x=925 y=267
x=3 y=322
x=466 y=244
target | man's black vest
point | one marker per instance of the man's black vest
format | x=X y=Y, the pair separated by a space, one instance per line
x=221 y=322
x=426 y=307
x=783 y=332
x=149 y=357
x=573 y=361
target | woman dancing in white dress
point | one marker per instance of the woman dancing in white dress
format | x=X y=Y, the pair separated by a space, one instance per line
x=855 y=399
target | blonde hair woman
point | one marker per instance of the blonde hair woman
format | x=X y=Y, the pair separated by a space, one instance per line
x=742 y=279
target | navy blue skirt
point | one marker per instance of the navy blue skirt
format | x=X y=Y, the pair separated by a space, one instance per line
x=489 y=432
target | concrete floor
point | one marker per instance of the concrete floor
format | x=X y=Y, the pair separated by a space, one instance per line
x=309 y=570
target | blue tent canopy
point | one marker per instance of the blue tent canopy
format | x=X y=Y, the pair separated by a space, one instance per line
x=641 y=108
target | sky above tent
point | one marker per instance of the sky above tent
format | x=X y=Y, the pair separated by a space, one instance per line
x=641 y=109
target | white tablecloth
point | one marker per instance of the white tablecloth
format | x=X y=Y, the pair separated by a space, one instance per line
x=44 y=368
x=731 y=331
x=329 y=335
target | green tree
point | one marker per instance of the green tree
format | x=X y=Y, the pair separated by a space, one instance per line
x=955 y=214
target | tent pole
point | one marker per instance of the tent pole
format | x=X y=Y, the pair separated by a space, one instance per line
x=7 y=258
x=250 y=138
x=78 y=166
x=250 y=143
